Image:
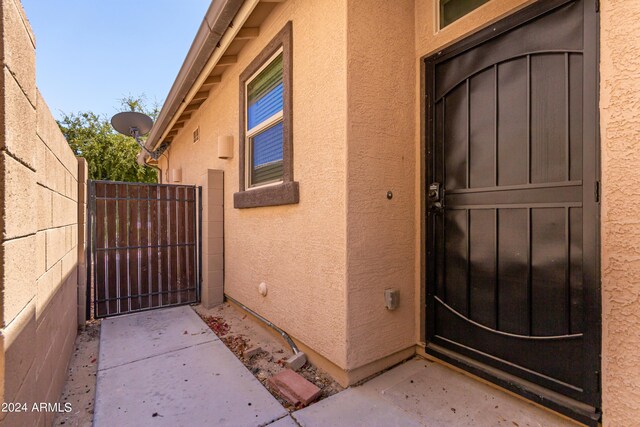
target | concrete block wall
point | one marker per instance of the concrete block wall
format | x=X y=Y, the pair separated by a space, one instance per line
x=39 y=232
x=212 y=183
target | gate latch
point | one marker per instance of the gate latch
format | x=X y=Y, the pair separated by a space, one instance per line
x=435 y=195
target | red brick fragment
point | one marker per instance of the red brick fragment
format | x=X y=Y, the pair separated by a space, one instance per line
x=294 y=387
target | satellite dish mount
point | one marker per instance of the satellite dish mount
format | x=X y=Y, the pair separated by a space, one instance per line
x=132 y=123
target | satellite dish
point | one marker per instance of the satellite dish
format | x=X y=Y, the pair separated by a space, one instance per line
x=131 y=123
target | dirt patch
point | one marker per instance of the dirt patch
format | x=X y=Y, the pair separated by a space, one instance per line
x=240 y=333
x=80 y=384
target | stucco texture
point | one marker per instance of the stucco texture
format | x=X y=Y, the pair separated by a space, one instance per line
x=381 y=149
x=356 y=134
x=298 y=250
x=620 y=132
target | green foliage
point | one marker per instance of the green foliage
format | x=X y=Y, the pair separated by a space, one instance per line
x=110 y=155
x=139 y=103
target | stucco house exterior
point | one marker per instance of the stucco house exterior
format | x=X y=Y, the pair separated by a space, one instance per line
x=477 y=157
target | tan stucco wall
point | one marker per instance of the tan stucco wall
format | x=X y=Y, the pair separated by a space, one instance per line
x=330 y=301
x=620 y=133
x=328 y=259
x=298 y=250
x=38 y=219
x=381 y=157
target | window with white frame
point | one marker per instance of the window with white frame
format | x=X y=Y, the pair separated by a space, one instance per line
x=264 y=123
x=266 y=127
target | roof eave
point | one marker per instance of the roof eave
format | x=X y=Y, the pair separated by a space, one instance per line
x=216 y=21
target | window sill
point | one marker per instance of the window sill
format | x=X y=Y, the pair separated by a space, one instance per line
x=286 y=193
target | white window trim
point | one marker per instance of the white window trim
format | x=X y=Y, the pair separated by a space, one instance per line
x=266 y=123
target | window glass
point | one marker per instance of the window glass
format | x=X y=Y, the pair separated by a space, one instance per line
x=267 y=155
x=264 y=94
x=452 y=10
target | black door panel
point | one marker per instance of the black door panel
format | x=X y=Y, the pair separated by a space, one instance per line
x=511 y=134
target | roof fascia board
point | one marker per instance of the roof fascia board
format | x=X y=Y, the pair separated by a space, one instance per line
x=215 y=23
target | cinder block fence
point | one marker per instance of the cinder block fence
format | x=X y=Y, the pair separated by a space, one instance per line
x=39 y=223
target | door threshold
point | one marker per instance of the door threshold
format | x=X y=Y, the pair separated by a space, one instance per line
x=566 y=406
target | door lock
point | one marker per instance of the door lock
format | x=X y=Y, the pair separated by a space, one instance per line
x=434 y=195
x=434 y=192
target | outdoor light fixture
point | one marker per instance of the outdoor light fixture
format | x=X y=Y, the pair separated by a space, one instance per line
x=176 y=175
x=225 y=147
x=134 y=124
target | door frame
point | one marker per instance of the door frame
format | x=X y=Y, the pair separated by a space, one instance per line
x=591 y=198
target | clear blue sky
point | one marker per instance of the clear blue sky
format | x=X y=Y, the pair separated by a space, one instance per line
x=91 y=53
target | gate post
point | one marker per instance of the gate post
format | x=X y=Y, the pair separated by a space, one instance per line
x=212 y=292
x=83 y=175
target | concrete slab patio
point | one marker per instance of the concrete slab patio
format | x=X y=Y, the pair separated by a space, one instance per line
x=424 y=393
x=166 y=368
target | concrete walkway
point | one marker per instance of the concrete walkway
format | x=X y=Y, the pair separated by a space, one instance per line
x=422 y=393
x=166 y=368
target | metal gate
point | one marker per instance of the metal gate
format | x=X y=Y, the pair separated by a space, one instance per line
x=144 y=246
x=512 y=181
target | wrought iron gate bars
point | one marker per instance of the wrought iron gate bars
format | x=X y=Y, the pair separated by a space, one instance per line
x=183 y=264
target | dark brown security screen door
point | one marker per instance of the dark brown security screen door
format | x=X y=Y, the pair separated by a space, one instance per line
x=144 y=246
x=512 y=270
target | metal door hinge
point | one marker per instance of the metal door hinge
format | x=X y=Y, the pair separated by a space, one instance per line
x=597 y=191
x=597 y=5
